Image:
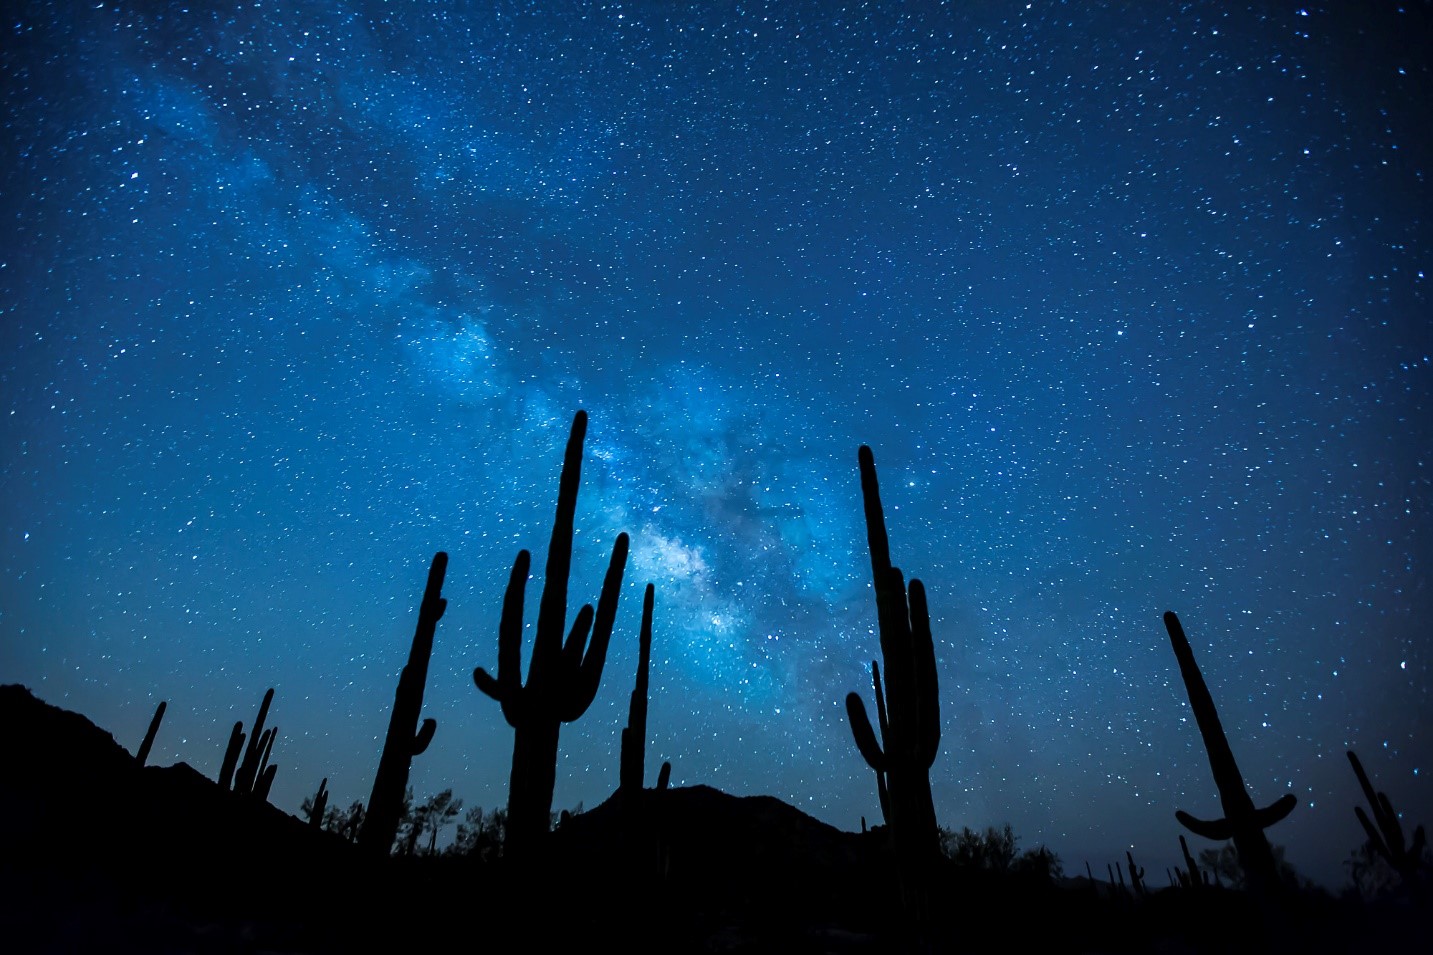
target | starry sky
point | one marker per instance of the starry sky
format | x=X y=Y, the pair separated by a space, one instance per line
x=1130 y=301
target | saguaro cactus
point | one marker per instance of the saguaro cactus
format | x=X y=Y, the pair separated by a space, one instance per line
x=231 y=755
x=256 y=754
x=634 y=734
x=910 y=717
x=562 y=676
x=149 y=735
x=405 y=739
x=319 y=805
x=1242 y=822
x=1385 y=832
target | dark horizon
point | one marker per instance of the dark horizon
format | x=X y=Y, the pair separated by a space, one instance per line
x=1130 y=305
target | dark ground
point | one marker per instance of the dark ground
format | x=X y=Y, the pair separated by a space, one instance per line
x=100 y=854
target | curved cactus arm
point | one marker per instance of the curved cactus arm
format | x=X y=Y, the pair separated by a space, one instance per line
x=507 y=687
x=865 y=736
x=1217 y=830
x=589 y=675
x=1275 y=811
x=424 y=736
x=552 y=607
x=576 y=642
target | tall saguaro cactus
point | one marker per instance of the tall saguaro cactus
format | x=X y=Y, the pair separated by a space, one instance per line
x=562 y=676
x=634 y=735
x=1242 y=822
x=405 y=739
x=909 y=714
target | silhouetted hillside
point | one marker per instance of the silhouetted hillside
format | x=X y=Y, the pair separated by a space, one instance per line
x=104 y=855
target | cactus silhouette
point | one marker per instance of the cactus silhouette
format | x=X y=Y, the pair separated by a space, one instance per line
x=1385 y=832
x=909 y=711
x=855 y=710
x=562 y=676
x=405 y=739
x=634 y=734
x=255 y=775
x=1242 y=822
x=149 y=735
x=231 y=756
x=319 y=805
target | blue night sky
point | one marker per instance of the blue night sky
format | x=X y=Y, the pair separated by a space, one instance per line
x=1129 y=300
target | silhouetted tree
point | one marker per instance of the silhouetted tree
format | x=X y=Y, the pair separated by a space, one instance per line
x=431 y=818
x=480 y=835
x=1228 y=868
x=346 y=823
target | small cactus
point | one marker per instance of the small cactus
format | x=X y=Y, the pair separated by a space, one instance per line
x=319 y=806
x=1136 y=874
x=149 y=735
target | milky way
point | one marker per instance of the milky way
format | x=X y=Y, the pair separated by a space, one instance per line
x=1129 y=302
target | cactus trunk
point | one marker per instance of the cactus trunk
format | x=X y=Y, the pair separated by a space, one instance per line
x=149 y=735
x=908 y=713
x=1242 y=822
x=634 y=734
x=405 y=739
x=562 y=676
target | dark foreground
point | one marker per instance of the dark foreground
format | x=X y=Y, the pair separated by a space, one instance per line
x=101 y=854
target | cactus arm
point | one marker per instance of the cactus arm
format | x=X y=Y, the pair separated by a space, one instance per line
x=1217 y=830
x=506 y=687
x=927 y=683
x=424 y=736
x=881 y=720
x=249 y=769
x=865 y=737
x=1275 y=811
x=231 y=756
x=1385 y=831
x=265 y=781
x=149 y=734
x=587 y=675
x=632 y=766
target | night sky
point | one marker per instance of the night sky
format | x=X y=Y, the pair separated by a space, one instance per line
x=1129 y=300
